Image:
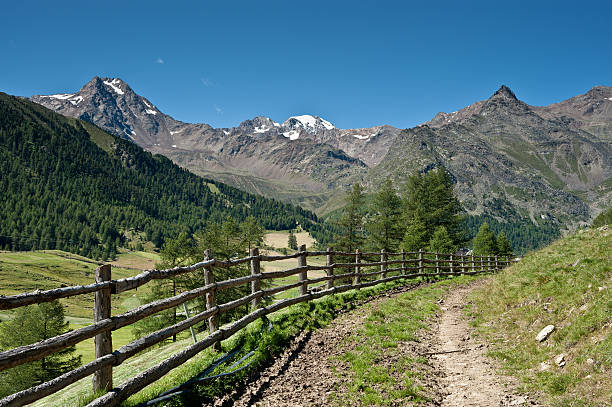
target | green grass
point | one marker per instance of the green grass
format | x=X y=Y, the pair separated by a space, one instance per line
x=558 y=285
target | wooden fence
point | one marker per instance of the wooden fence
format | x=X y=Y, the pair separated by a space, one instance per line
x=363 y=269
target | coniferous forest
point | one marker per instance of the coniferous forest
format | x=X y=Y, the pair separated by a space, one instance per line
x=68 y=185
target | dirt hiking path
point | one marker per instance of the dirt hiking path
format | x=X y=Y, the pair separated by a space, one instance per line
x=469 y=375
x=458 y=372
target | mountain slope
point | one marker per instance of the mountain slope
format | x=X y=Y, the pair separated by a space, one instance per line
x=536 y=167
x=566 y=284
x=69 y=185
x=298 y=160
x=509 y=162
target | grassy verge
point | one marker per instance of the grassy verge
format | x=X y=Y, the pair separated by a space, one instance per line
x=382 y=371
x=567 y=285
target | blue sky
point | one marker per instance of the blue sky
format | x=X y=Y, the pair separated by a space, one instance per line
x=357 y=63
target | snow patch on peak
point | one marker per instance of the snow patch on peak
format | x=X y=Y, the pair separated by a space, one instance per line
x=311 y=121
x=172 y=133
x=292 y=135
x=146 y=103
x=76 y=100
x=361 y=137
x=61 y=96
x=261 y=129
x=149 y=111
x=113 y=84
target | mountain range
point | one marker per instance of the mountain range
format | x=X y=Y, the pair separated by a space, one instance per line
x=510 y=161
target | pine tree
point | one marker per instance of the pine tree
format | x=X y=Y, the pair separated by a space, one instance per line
x=430 y=197
x=484 y=242
x=441 y=242
x=385 y=228
x=351 y=222
x=292 y=241
x=415 y=237
x=252 y=232
x=33 y=324
x=504 y=248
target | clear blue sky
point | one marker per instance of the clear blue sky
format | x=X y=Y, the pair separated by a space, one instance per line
x=356 y=63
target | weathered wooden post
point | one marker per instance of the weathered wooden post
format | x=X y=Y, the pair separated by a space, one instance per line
x=303 y=276
x=330 y=270
x=213 y=321
x=357 y=275
x=421 y=269
x=255 y=271
x=496 y=263
x=489 y=262
x=437 y=264
x=452 y=266
x=383 y=266
x=403 y=263
x=193 y=334
x=103 y=378
x=473 y=263
x=481 y=263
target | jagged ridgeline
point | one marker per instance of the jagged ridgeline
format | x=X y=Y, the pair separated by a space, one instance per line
x=67 y=184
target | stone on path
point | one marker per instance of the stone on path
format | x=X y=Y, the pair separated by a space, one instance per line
x=545 y=332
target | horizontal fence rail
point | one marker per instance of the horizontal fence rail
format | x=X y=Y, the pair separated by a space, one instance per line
x=357 y=270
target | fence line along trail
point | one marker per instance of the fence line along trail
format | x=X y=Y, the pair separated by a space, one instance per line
x=343 y=271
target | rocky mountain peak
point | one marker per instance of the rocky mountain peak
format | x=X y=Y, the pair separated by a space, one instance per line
x=311 y=124
x=504 y=92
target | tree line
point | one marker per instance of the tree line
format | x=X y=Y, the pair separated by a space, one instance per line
x=426 y=214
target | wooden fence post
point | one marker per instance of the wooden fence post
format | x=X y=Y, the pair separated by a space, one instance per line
x=255 y=271
x=357 y=276
x=421 y=269
x=481 y=263
x=330 y=270
x=437 y=264
x=193 y=334
x=452 y=266
x=103 y=378
x=403 y=262
x=213 y=321
x=496 y=263
x=383 y=267
x=489 y=262
x=303 y=276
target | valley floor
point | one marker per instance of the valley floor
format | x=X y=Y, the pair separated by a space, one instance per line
x=442 y=365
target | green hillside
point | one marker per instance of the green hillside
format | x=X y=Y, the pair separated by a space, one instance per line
x=566 y=285
x=69 y=185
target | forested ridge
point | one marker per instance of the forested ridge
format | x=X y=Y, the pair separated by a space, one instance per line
x=68 y=185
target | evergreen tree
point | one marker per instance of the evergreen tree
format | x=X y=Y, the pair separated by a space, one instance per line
x=415 y=237
x=292 y=241
x=484 y=242
x=350 y=224
x=430 y=198
x=252 y=232
x=385 y=228
x=33 y=324
x=504 y=248
x=441 y=242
